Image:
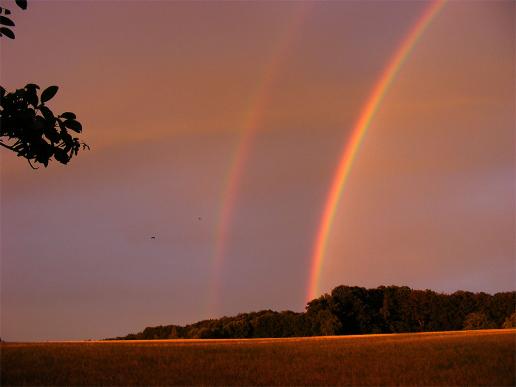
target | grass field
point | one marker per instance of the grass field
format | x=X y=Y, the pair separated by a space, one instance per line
x=442 y=358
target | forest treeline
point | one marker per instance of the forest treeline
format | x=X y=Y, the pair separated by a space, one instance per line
x=356 y=310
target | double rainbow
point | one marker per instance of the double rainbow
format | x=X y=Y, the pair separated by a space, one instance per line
x=253 y=120
x=352 y=146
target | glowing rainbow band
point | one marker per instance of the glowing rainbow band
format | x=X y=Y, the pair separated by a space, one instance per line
x=353 y=144
x=251 y=124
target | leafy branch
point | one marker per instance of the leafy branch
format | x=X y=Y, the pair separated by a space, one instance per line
x=27 y=126
x=33 y=131
x=6 y=23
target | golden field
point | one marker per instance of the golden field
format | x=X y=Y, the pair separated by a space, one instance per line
x=439 y=358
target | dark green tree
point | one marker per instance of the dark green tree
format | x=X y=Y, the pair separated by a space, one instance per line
x=500 y=306
x=510 y=321
x=321 y=319
x=478 y=320
x=27 y=125
x=351 y=310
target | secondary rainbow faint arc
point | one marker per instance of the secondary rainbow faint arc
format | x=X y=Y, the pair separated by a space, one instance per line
x=357 y=135
x=251 y=124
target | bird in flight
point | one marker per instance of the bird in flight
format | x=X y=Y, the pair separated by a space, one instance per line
x=199 y=218
x=152 y=237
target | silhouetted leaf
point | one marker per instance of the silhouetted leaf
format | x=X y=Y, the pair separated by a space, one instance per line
x=31 y=86
x=67 y=139
x=31 y=94
x=22 y=4
x=47 y=113
x=52 y=134
x=68 y=116
x=61 y=124
x=7 y=32
x=32 y=98
x=61 y=156
x=6 y=21
x=73 y=125
x=48 y=93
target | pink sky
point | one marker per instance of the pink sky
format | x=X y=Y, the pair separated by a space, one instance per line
x=162 y=88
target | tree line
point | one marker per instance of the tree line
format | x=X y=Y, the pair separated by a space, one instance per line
x=356 y=310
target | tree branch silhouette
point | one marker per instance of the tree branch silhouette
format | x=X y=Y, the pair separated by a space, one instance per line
x=27 y=126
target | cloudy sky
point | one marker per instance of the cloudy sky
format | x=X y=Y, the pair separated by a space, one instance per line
x=172 y=95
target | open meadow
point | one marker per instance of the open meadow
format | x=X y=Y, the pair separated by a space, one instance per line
x=439 y=358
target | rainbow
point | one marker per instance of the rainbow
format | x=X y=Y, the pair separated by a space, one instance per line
x=239 y=159
x=352 y=146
